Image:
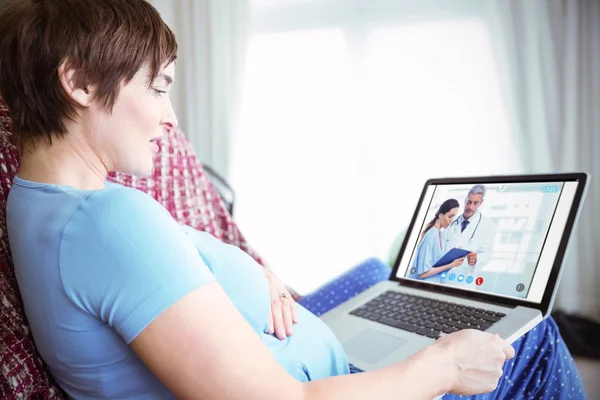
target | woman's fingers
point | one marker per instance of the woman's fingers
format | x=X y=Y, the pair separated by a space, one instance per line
x=508 y=350
x=283 y=310
x=286 y=312
x=283 y=313
x=294 y=311
x=274 y=322
x=271 y=327
x=279 y=325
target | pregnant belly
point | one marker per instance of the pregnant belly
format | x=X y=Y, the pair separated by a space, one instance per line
x=312 y=352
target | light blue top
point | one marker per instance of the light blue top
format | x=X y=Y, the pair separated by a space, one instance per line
x=96 y=267
x=428 y=253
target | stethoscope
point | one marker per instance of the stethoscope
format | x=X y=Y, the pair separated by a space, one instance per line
x=474 y=230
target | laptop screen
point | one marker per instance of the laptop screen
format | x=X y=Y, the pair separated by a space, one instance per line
x=498 y=238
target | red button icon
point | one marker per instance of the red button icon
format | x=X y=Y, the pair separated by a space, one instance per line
x=479 y=281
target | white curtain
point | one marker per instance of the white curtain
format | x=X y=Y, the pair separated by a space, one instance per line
x=349 y=107
x=549 y=58
x=212 y=37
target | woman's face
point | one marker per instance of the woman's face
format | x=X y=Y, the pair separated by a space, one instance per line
x=446 y=219
x=126 y=138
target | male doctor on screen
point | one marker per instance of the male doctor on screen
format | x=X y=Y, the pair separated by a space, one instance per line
x=471 y=231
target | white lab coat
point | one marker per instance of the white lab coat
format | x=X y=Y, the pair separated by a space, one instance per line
x=477 y=237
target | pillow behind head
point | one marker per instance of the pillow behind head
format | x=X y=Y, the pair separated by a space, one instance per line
x=23 y=374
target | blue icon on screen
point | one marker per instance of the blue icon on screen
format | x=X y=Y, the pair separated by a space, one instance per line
x=470 y=279
x=550 y=189
x=443 y=275
x=461 y=278
x=452 y=276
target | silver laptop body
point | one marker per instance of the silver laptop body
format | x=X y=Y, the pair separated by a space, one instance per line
x=530 y=219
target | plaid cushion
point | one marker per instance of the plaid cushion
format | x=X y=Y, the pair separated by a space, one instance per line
x=22 y=374
x=178 y=183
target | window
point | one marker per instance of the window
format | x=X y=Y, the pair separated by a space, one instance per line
x=347 y=110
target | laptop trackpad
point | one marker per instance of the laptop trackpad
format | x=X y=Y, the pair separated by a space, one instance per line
x=371 y=346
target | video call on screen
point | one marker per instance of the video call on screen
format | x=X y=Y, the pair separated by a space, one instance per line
x=507 y=232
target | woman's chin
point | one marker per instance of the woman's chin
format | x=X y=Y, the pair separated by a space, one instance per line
x=141 y=174
x=139 y=171
x=144 y=172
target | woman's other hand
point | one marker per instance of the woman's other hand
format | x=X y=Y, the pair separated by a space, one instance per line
x=476 y=359
x=458 y=262
x=283 y=308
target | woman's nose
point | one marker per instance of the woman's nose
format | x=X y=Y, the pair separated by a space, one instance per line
x=169 y=119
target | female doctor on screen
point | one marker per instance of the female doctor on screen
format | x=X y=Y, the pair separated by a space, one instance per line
x=432 y=246
x=472 y=231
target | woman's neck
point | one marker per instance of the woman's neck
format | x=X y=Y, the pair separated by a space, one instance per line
x=438 y=224
x=66 y=162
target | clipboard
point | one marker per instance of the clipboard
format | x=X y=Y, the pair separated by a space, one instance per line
x=450 y=256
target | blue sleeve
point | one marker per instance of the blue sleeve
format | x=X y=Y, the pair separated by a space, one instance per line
x=425 y=254
x=125 y=260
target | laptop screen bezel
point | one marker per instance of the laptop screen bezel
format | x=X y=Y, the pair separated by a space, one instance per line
x=549 y=291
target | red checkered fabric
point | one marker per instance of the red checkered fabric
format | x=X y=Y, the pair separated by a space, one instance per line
x=178 y=183
x=22 y=375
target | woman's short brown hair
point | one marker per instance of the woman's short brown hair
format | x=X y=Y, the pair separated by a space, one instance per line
x=106 y=41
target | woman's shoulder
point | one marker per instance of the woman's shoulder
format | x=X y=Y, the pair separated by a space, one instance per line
x=123 y=208
x=121 y=194
x=130 y=226
x=431 y=233
x=122 y=200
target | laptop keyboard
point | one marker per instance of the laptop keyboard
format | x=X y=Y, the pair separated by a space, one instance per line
x=425 y=316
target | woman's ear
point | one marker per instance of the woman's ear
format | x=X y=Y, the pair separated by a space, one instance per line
x=67 y=76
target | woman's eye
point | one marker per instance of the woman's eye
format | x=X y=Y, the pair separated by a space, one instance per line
x=159 y=92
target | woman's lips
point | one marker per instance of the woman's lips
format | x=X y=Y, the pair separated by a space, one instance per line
x=154 y=145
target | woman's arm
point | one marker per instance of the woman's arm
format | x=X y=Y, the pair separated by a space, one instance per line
x=436 y=270
x=201 y=347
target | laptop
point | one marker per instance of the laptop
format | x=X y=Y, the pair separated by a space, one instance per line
x=519 y=228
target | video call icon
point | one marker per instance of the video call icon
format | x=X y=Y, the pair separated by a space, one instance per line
x=461 y=278
x=479 y=281
x=520 y=287
x=443 y=275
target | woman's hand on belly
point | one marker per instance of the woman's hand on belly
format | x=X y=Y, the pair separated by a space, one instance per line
x=283 y=313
